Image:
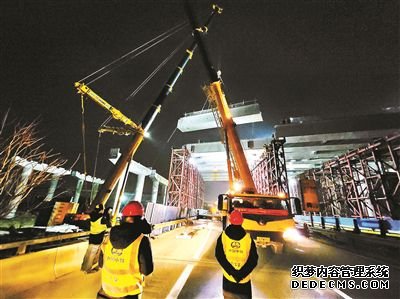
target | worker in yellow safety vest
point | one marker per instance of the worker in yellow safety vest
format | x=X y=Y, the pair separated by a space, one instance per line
x=99 y=222
x=236 y=252
x=126 y=255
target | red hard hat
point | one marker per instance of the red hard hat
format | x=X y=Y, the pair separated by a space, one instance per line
x=236 y=218
x=133 y=208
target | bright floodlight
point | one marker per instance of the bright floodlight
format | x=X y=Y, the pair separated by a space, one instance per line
x=146 y=134
x=237 y=186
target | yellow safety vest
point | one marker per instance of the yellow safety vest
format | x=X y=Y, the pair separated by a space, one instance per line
x=236 y=252
x=120 y=275
x=96 y=227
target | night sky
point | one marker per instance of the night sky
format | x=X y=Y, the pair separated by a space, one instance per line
x=296 y=58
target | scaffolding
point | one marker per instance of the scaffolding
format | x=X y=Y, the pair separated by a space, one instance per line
x=269 y=174
x=185 y=184
x=363 y=183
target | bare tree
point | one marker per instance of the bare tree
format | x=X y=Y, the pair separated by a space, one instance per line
x=24 y=164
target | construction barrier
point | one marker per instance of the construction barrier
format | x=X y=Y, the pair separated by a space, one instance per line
x=25 y=271
x=165 y=218
x=33 y=263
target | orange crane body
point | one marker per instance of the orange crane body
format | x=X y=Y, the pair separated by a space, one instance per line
x=233 y=140
x=266 y=217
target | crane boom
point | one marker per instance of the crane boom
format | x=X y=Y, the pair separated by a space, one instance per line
x=127 y=154
x=266 y=217
x=216 y=94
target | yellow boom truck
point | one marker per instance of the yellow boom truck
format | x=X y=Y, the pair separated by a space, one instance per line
x=266 y=217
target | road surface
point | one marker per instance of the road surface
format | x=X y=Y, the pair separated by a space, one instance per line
x=185 y=268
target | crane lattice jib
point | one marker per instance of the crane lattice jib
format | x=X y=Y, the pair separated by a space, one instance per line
x=116 y=114
x=116 y=130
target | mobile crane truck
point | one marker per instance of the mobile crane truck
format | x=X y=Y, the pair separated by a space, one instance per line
x=267 y=218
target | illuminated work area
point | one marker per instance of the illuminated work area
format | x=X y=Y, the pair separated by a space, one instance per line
x=239 y=149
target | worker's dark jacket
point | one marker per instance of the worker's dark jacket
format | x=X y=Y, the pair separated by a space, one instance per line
x=98 y=238
x=121 y=236
x=236 y=232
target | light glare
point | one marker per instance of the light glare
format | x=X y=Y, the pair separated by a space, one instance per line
x=291 y=234
x=237 y=186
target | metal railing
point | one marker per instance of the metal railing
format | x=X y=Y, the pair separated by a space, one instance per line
x=23 y=245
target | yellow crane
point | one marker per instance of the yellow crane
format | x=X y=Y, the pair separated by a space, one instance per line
x=266 y=217
x=141 y=128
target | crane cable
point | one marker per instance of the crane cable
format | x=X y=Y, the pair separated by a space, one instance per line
x=95 y=164
x=83 y=132
x=156 y=70
x=97 y=154
x=83 y=136
x=133 y=94
x=110 y=67
x=128 y=56
x=148 y=78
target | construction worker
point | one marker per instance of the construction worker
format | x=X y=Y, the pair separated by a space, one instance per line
x=126 y=255
x=237 y=254
x=98 y=226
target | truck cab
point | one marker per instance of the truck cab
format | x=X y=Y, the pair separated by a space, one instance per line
x=267 y=219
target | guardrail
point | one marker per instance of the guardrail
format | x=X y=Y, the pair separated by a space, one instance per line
x=376 y=238
x=23 y=271
x=169 y=224
x=382 y=227
x=23 y=245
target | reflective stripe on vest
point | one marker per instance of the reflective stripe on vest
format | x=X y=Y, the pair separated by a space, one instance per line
x=120 y=275
x=237 y=253
x=96 y=227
